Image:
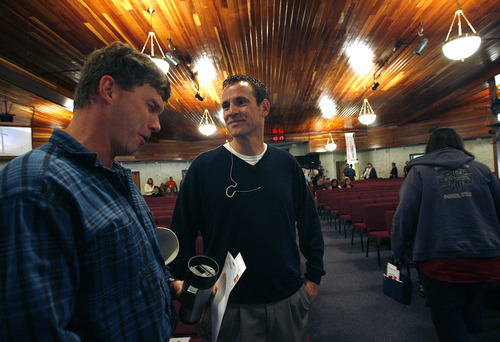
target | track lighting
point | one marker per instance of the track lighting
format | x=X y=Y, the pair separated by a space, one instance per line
x=375 y=85
x=171 y=56
x=198 y=97
x=423 y=41
x=421 y=46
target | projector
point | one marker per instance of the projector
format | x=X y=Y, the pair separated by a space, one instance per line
x=6 y=117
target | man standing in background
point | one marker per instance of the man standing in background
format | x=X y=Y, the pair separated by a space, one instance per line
x=369 y=172
x=171 y=184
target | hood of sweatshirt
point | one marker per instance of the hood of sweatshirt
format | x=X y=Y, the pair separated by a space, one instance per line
x=449 y=158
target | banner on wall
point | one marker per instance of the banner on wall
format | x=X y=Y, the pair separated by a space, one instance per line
x=350 y=148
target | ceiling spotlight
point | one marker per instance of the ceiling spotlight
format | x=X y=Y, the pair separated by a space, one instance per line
x=172 y=59
x=423 y=41
x=198 y=96
x=421 y=47
x=171 y=56
x=375 y=85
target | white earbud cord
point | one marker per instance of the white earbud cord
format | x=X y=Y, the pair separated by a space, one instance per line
x=232 y=180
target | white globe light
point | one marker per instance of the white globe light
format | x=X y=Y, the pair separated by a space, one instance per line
x=367 y=119
x=162 y=64
x=207 y=129
x=461 y=47
x=331 y=146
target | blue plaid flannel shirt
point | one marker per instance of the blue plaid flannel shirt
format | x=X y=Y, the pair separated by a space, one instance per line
x=79 y=254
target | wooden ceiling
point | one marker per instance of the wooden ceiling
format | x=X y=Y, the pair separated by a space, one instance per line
x=298 y=48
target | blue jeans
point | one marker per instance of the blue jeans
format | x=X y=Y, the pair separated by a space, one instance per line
x=456 y=308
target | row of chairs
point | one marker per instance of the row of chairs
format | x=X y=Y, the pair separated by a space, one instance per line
x=363 y=211
x=162 y=208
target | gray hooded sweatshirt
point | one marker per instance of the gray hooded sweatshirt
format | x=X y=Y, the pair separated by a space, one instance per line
x=449 y=208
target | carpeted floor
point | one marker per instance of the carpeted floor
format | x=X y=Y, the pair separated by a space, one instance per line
x=351 y=305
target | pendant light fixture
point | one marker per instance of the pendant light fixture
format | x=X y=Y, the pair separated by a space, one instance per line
x=159 y=59
x=330 y=144
x=462 y=45
x=366 y=114
x=207 y=125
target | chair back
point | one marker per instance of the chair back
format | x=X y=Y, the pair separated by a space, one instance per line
x=373 y=215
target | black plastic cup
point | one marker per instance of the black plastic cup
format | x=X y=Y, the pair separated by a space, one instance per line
x=199 y=280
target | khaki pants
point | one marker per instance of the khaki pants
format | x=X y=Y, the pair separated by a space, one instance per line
x=282 y=321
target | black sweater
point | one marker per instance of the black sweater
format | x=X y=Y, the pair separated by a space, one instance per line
x=259 y=224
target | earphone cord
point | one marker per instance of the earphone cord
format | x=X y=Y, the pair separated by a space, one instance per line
x=235 y=183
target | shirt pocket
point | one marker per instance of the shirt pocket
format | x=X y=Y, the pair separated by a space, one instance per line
x=119 y=257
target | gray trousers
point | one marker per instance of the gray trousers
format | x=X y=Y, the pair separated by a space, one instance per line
x=281 y=321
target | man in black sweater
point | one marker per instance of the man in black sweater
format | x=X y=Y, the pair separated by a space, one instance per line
x=250 y=198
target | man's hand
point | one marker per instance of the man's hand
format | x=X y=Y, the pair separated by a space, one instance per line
x=311 y=287
x=176 y=288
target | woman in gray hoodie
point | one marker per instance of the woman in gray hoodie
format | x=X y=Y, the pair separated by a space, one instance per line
x=447 y=222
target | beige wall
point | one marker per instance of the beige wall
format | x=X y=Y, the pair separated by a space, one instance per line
x=381 y=159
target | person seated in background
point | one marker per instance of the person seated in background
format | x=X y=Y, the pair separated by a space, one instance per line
x=156 y=192
x=163 y=189
x=148 y=187
x=319 y=186
x=335 y=184
x=315 y=178
x=394 y=171
x=169 y=192
x=171 y=184
x=348 y=183
x=304 y=170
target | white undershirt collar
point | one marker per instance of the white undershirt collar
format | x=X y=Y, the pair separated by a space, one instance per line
x=252 y=160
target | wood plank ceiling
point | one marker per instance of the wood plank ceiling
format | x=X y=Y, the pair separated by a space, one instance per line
x=300 y=49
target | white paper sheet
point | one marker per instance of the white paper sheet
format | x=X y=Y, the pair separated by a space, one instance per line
x=230 y=274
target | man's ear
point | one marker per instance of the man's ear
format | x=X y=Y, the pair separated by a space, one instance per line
x=107 y=86
x=266 y=107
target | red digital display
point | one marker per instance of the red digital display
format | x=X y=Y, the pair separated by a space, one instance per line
x=277 y=135
x=277 y=138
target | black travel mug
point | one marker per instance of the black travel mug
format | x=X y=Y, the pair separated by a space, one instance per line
x=199 y=280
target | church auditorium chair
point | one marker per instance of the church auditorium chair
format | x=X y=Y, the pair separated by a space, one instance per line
x=321 y=200
x=374 y=218
x=345 y=212
x=356 y=209
x=163 y=221
x=389 y=215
